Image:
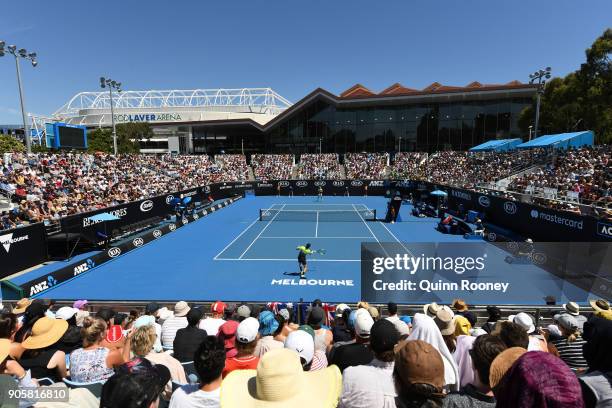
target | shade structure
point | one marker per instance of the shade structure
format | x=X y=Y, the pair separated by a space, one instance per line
x=561 y=141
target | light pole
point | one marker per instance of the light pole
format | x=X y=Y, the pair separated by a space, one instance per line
x=320 y=144
x=104 y=82
x=540 y=76
x=530 y=130
x=399 y=150
x=31 y=56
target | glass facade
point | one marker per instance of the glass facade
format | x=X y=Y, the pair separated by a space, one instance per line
x=417 y=127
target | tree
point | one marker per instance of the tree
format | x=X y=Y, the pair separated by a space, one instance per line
x=9 y=144
x=101 y=140
x=582 y=100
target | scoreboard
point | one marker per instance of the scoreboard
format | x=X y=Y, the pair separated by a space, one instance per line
x=64 y=136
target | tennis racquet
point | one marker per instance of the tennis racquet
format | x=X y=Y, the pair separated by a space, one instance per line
x=321 y=251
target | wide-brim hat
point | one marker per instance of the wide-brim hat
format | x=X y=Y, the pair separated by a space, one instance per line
x=460 y=305
x=21 y=306
x=572 y=308
x=600 y=305
x=280 y=381
x=431 y=309
x=45 y=332
x=181 y=309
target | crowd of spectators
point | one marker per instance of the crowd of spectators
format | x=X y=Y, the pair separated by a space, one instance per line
x=48 y=186
x=272 y=166
x=366 y=165
x=319 y=166
x=586 y=171
x=233 y=166
x=406 y=165
x=250 y=355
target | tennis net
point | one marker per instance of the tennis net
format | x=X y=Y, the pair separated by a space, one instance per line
x=357 y=215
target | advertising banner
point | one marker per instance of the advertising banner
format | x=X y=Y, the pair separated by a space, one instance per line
x=20 y=248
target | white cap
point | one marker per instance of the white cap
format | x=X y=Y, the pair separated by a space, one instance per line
x=247 y=330
x=65 y=312
x=341 y=308
x=302 y=343
x=363 y=323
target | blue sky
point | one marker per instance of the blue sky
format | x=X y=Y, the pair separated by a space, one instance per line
x=290 y=46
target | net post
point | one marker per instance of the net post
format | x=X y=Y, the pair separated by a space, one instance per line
x=260 y=214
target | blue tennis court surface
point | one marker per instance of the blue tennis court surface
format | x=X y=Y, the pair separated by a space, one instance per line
x=233 y=255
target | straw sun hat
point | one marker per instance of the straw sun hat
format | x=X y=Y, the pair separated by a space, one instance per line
x=45 y=332
x=280 y=381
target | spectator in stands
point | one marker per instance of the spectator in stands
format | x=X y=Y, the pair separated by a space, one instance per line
x=13 y=378
x=302 y=343
x=137 y=384
x=247 y=335
x=461 y=308
x=142 y=342
x=446 y=324
x=494 y=315
x=536 y=342
x=431 y=309
x=227 y=333
x=33 y=312
x=573 y=309
x=81 y=306
x=512 y=334
x=463 y=359
x=602 y=308
x=462 y=326
x=424 y=328
x=174 y=323
x=286 y=326
x=323 y=336
x=372 y=384
x=569 y=345
x=418 y=375
x=340 y=330
x=539 y=379
x=281 y=381
x=400 y=326
x=243 y=312
x=152 y=310
x=268 y=325
x=8 y=327
x=93 y=362
x=597 y=382
x=230 y=312
x=72 y=339
x=188 y=339
x=359 y=352
x=212 y=324
x=501 y=364
x=478 y=392
x=209 y=362
x=41 y=355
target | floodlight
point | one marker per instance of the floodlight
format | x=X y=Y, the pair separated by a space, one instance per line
x=2 y=43
x=118 y=84
x=12 y=48
x=548 y=69
x=23 y=53
x=34 y=63
x=32 y=55
x=1 y=52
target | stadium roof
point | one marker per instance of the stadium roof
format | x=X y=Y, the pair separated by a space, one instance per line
x=497 y=145
x=561 y=140
x=360 y=91
x=257 y=100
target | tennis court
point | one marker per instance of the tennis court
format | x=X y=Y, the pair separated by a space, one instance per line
x=337 y=229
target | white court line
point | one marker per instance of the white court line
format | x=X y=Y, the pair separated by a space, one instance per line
x=314 y=237
x=368 y=227
x=397 y=239
x=324 y=204
x=262 y=231
x=234 y=240
x=292 y=259
x=317 y=226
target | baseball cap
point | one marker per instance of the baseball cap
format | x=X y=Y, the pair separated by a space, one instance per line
x=152 y=307
x=243 y=311
x=284 y=313
x=218 y=307
x=79 y=303
x=341 y=308
x=383 y=336
x=227 y=332
x=114 y=334
x=65 y=312
x=568 y=322
x=267 y=323
x=302 y=343
x=144 y=320
x=363 y=323
x=418 y=362
x=247 y=330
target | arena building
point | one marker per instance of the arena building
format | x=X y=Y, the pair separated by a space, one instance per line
x=259 y=120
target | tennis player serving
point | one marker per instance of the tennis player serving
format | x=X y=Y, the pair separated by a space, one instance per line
x=304 y=251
